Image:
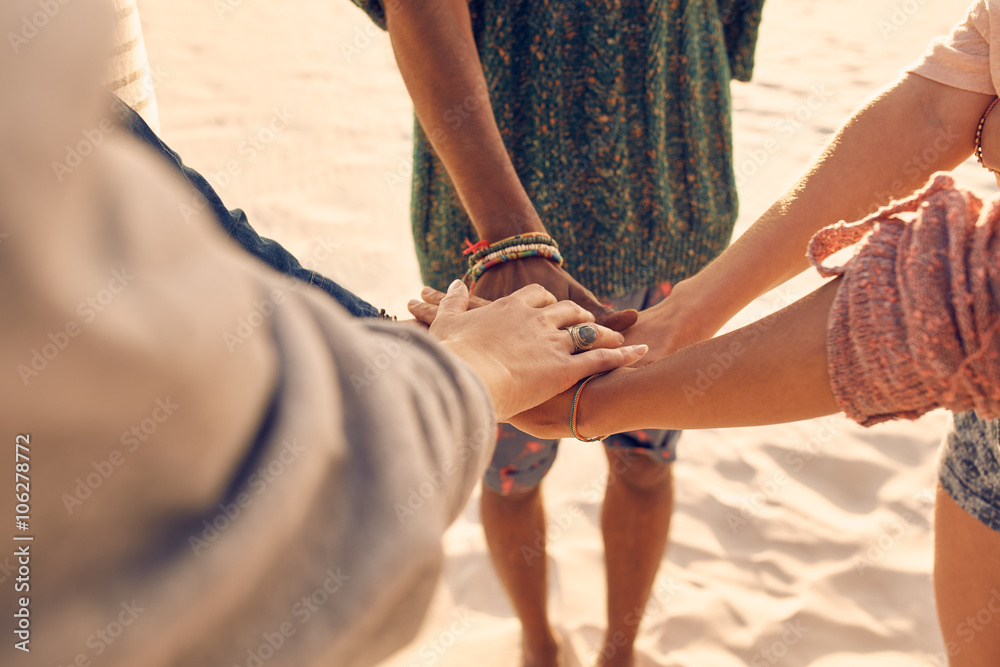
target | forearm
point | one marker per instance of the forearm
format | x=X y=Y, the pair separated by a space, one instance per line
x=440 y=64
x=886 y=151
x=771 y=371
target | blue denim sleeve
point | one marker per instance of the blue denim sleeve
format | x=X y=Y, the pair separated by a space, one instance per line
x=235 y=222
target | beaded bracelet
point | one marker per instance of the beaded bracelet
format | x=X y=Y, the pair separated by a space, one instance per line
x=522 y=246
x=979 y=136
x=481 y=249
x=573 y=409
x=509 y=255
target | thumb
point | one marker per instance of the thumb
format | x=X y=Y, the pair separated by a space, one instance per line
x=620 y=320
x=616 y=320
x=455 y=302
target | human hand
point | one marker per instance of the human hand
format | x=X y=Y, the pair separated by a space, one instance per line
x=671 y=325
x=505 y=278
x=426 y=312
x=519 y=348
x=551 y=419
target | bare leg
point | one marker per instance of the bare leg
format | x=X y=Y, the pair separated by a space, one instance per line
x=515 y=534
x=966 y=585
x=635 y=520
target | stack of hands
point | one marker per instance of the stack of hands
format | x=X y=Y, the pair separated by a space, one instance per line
x=519 y=344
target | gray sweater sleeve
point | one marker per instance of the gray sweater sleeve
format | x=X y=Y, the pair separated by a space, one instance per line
x=227 y=469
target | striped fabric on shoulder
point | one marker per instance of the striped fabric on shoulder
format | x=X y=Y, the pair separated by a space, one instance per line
x=129 y=76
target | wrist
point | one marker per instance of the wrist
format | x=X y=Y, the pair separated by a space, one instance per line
x=484 y=256
x=495 y=378
x=693 y=312
x=593 y=417
x=495 y=228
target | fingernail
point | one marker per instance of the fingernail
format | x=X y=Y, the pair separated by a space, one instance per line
x=427 y=290
x=640 y=349
x=621 y=339
x=412 y=303
x=455 y=286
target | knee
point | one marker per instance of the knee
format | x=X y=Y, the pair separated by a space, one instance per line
x=638 y=471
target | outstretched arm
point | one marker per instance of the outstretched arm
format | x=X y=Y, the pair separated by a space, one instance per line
x=886 y=151
x=771 y=371
x=440 y=64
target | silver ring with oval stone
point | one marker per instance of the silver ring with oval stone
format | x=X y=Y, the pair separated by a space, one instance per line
x=584 y=336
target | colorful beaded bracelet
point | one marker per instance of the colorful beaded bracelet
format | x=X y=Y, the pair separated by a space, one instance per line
x=509 y=255
x=481 y=249
x=522 y=246
x=979 y=136
x=573 y=411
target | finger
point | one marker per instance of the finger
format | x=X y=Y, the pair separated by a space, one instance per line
x=535 y=296
x=617 y=320
x=433 y=297
x=456 y=301
x=606 y=338
x=620 y=320
x=424 y=312
x=604 y=360
x=563 y=314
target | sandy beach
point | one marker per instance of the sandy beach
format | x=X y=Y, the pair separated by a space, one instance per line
x=802 y=544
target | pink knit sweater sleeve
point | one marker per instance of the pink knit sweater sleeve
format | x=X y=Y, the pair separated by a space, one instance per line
x=914 y=325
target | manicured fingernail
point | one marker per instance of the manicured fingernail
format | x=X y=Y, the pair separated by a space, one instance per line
x=455 y=286
x=412 y=303
x=640 y=349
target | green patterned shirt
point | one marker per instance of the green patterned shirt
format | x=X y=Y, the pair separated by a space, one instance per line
x=617 y=117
